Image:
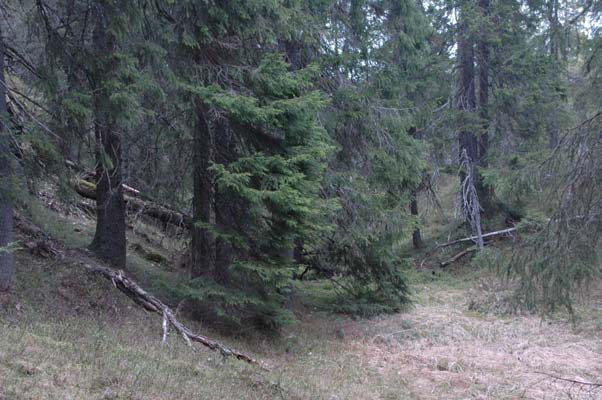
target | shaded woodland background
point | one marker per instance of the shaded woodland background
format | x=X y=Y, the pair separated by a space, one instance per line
x=362 y=199
x=276 y=141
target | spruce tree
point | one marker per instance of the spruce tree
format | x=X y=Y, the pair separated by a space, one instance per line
x=109 y=238
x=374 y=62
x=258 y=158
x=90 y=75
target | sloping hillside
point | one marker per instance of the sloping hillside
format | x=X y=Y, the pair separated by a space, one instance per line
x=67 y=334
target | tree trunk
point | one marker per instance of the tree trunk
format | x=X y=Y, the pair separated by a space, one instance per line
x=466 y=102
x=225 y=214
x=6 y=209
x=416 y=236
x=152 y=304
x=203 y=243
x=485 y=192
x=466 y=99
x=109 y=239
x=554 y=24
x=483 y=61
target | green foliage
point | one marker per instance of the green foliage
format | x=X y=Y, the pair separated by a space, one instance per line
x=561 y=253
x=273 y=192
x=378 y=163
x=516 y=183
x=319 y=121
x=376 y=280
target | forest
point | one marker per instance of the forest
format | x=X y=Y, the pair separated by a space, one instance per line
x=300 y=199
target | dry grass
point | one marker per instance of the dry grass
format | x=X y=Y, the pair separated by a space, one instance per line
x=75 y=337
x=445 y=351
x=67 y=335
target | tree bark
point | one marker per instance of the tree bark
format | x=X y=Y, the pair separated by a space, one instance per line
x=466 y=99
x=6 y=209
x=555 y=55
x=483 y=61
x=109 y=239
x=225 y=209
x=486 y=192
x=416 y=236
x=203 y=243
x=467 y=102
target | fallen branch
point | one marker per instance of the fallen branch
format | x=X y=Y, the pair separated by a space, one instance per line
x=87 y=175
x=473 y=238
x=151 y=303
x=136 y=201
x=572 y=381
x=457 y=257
x=88 y=190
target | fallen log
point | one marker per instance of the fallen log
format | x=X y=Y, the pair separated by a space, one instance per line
x=457 y=257
x=84 y=188
x=88 y=190
x=473 y=238
x=87 y=175
x=151 y=303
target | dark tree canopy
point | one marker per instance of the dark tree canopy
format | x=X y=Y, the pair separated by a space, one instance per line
x=285 y=138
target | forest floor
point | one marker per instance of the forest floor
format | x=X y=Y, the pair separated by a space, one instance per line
x=65 y=334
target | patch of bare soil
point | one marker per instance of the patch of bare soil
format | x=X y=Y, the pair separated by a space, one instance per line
x=442 y=350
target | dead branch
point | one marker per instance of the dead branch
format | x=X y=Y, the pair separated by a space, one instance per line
x=471 y=208
x=168 y=216
x=457 y=257
x=87 y=175
x=577 y=382
x=473 y=238
x=151 y=303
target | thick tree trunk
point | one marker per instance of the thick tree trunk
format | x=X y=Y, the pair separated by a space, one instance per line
x=109 y=240
x=416 y=236
x=6 y=210
x=223 y=249
x=203 y=243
